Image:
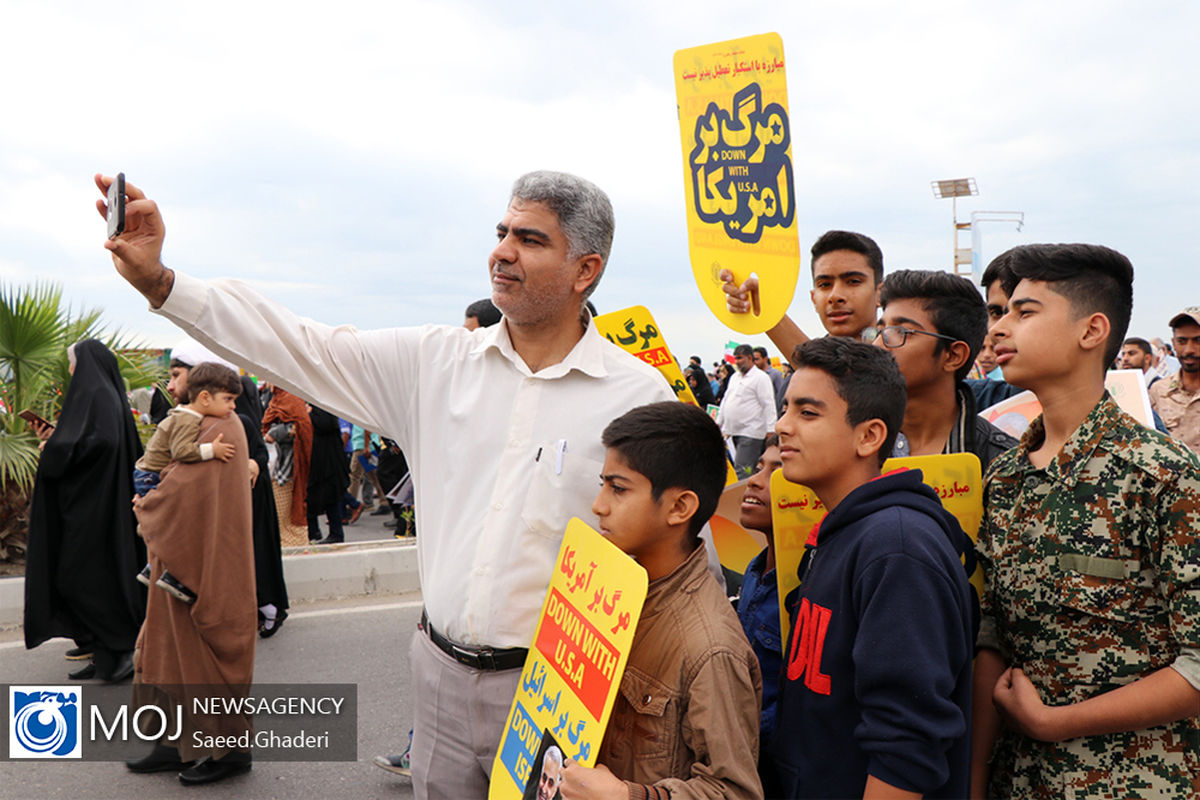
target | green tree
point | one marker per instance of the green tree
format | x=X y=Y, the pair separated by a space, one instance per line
x=35 y=330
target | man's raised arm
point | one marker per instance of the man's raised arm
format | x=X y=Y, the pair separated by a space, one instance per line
x=137 y=253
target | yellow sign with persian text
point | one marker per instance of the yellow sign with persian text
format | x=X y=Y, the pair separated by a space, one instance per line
x=796 y=510
x=575 y=663
x=958 y=480
x=633 y=330
x=737 y=174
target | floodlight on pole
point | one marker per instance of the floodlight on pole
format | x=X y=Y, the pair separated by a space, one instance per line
x=954 y=189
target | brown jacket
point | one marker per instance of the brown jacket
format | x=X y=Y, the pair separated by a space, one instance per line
x=687 y=715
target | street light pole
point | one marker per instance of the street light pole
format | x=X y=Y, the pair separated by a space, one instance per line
x=954 y=189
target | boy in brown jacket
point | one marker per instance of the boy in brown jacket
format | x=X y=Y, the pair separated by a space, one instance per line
x=685 y=724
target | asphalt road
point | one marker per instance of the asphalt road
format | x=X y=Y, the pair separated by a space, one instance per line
x=364 y=641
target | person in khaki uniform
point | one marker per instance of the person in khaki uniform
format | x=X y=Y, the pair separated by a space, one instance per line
x=685 y=723
x=1087 y=680
x=1177 y=398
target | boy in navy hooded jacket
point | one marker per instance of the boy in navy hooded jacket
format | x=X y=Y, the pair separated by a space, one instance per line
x=876 y=692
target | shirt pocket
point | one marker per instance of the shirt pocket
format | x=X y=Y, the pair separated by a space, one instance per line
x=651 y=717
x=1102 y=587
x=555 y=496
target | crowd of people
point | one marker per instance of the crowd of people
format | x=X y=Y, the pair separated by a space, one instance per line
x=1075 y=672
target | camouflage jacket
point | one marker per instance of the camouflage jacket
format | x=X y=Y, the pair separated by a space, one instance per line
x=1092 y=580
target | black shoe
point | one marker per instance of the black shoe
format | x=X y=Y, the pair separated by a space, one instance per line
x=331 y=540
x=78 y=654
x=85 y=673
x=379 y=512
x=143 y=577
x=171 y=585
x=123 y=670
x=209 y=770
x=391 y=523
x=160 y=759
x=275 y=624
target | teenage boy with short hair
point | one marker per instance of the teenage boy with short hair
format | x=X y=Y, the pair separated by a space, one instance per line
x=876 y=691
x=685 y=724
x=933 y=323
x=1090 y=638
x=847 y=269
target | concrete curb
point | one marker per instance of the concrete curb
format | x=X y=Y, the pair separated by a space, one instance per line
x=312 y=573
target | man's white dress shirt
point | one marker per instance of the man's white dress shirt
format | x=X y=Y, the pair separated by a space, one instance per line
x=748 y=408
x=501 y=457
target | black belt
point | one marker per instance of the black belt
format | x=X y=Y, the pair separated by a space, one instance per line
x=483 y=658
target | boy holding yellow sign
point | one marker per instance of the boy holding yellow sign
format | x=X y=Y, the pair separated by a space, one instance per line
x=685 y=723
x=876 y=691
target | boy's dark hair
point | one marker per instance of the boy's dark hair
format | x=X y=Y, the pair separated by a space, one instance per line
x=866 y=377
x=211 y=377
x=760 y=351
x=855 y=242
x=1092 y=277
x=997 y=270
x=951 y=300
x=676 y=446
x=743 y=350
x=1140 y=344
x=772 y=440
x=485 y=311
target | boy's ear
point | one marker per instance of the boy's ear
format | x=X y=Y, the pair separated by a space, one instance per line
x=1094 y=333
x=681 y=505
x=955 y=355
x=869 y=437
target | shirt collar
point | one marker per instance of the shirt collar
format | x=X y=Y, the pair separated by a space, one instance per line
x=1100 y=424
x=587 y=356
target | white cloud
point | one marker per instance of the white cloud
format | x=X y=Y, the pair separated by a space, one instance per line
x=356 y=156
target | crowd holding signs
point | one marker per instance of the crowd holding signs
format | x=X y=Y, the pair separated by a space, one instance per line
x=912 y=628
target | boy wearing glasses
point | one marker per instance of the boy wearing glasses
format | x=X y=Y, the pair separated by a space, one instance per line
x=933 y=324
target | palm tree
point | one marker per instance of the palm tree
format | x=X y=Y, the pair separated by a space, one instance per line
x=35 y=330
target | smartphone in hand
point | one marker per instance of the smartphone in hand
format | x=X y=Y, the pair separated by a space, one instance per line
x=116 y=206
x=33 y=418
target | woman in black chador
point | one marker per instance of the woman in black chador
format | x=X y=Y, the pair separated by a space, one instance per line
x=84 y=553
x=268 y=557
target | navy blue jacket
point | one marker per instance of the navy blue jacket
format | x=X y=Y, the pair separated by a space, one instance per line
x=877 y=678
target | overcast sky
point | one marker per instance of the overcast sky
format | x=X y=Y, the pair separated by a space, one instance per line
x=351 y=159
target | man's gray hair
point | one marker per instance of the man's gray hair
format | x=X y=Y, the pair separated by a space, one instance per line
x=553 y=754
x=583 y=210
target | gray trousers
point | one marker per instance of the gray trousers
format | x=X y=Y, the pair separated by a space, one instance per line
x=747 y=451
x=458 y=719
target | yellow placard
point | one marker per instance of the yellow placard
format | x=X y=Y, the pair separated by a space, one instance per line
x=575 y=662
x=737 y=174
x=735 y=545
x=958 y=480
x=795 y=510
x=634 y=331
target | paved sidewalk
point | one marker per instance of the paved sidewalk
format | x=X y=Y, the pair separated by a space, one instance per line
x=372 y=561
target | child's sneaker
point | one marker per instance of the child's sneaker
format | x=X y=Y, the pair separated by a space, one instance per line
x=397 y=764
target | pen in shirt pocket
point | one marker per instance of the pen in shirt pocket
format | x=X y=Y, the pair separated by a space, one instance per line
x=559 y=450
